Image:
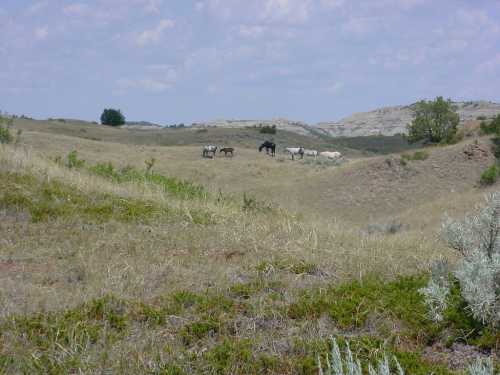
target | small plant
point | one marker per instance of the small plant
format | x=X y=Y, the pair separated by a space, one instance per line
x=489 y=176
x=481 y=367
x=416 y=156
x=72 y=160
x=150 y=164
x=338 y=364
x=437 y=290
x=249 y=202
x=392 y=227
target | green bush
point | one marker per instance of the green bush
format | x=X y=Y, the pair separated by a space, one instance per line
x=5 y=134
x=72 y=160
x=491 y=127
x=489 y=176
x=417 y=155
x=267 y=129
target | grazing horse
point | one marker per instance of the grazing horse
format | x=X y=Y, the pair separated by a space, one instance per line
x=295 y=151
x=209 y=149
x=311 y=153
x=269 y=146
x=227 y=150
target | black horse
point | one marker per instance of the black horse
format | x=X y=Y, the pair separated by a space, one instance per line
x=269 y=146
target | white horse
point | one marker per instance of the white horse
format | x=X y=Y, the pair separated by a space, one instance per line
x=295 y=151
x=331 y=154
x=209 y=149
x=311 y=153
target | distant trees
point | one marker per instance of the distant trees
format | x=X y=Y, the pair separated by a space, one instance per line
x=435 y=122
x=112 y=117
x=266 y=129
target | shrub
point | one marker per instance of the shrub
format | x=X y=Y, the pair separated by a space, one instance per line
x=392 y=227
x=416 y=156
x=149 y=164
x=5 y=134
x=267 y=129
x=112 y=117
x=338 y=364
x=491 y=127
x=72 y=160
x=481 y=118
x=481 y=367
x=477 y=238
x=435 y=122
x=489 y=176
x=437 y=291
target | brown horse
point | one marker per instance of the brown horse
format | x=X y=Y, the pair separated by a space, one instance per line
x=227 y=150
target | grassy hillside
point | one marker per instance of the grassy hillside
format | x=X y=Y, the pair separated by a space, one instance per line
x=225 y=266
x=246 y=138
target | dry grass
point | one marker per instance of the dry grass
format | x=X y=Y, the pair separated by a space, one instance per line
x=263 y=259
x=66 y=261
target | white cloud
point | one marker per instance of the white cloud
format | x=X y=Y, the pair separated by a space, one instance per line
x=359 y=25
x=395 y=4
x=37 y=7
x=490 y=66
x=151 y=85
x=254 y=31
x=76 y=9
x=332 y=3
x=292 y=11
x=154 y=35
x=42 y=33
x=335 y=88
x=199 y=6
x=153 y=6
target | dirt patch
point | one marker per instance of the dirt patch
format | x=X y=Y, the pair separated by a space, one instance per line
x=457 y=357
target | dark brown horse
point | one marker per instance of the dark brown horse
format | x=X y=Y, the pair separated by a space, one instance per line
x=269 y=146
x=227 y=150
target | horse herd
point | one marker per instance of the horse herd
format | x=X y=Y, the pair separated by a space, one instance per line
x=209 y=151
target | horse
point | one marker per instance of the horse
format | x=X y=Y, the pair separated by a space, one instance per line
x=295 y=151
x=269 y=146
x=311 y=153
x=209 y=149
x=331 y=154
x=227 y=150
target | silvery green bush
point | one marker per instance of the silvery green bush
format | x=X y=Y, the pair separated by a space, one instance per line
x=347 y=364
x=481 y=367
x=437 y=290
x=476 y=237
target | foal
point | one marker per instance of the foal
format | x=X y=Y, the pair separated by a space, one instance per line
x=227 y=150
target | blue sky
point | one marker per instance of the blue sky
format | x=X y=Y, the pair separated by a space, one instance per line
x=171 y=61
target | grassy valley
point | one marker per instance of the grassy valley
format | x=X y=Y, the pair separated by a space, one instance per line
x=244 y=265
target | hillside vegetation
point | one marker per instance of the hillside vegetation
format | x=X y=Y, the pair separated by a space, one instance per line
x=235 y=137
x=226 y=266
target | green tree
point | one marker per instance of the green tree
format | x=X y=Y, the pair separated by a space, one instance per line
x=435 y=122
x=112 y=117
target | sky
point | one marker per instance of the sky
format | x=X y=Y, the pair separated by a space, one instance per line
x=173 y=61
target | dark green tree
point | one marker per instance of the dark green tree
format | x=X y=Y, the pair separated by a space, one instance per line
x=435 y=122
x=112 y=117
